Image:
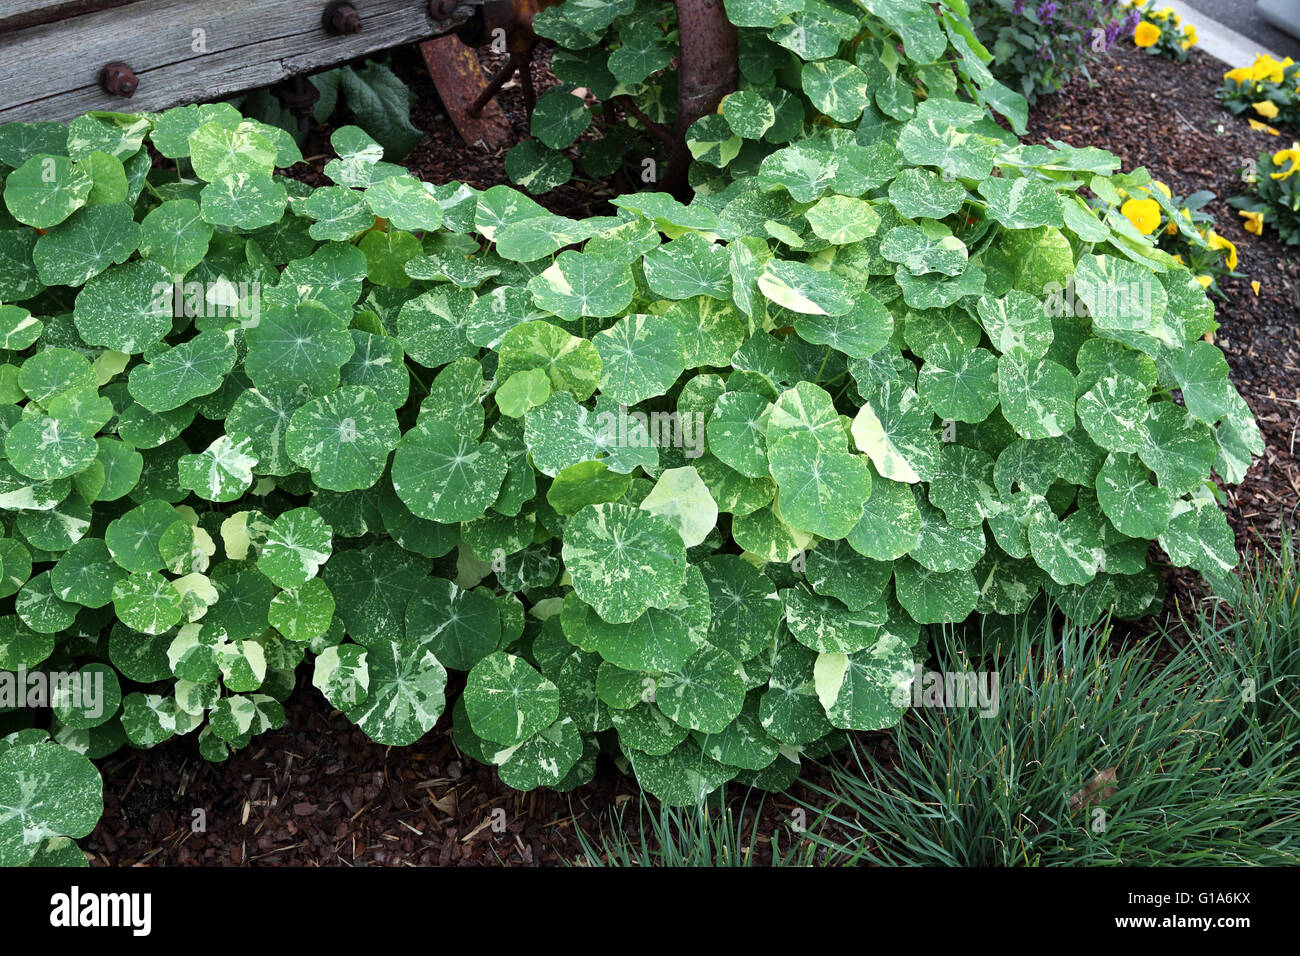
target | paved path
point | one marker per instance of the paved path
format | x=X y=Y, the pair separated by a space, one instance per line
x=1241 y=17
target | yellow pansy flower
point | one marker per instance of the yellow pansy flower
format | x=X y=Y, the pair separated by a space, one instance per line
x=1254 y=221
x=1262 y=127
x=1205 y=281
x=1146 y=34
x=1178 y=259
x=1161 y=14
x=1254 y=285
x=1282 y=156
x=1172 y=228
x=1267 y=68
x=1265 y=108
x=1189 y=32
x=1163 y=188
x=1240 y=75
x=1218 y=242
x=1143 y=213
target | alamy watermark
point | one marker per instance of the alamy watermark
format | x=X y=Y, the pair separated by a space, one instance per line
x=950 y=689
x=219 y=299
x=81 y=691
x=625 y=429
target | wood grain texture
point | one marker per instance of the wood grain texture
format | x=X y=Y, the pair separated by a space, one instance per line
x=51 y=72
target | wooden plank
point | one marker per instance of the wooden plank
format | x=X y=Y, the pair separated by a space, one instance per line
x=459 y=78
x=17 y=14
x=187 y=52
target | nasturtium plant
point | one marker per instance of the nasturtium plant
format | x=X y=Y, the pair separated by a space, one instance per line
x=688 y=482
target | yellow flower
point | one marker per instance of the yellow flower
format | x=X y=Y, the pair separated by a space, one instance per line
x=1143 y=213
x=1262 y=127
x=1163 y=188
x=1240 y=75
x=1218 y=242
x=1172 y=228
x=1265 y=108
x=1161 y=14
x=1282 y=156
x=1178 y=259
x=1189 y=32
x=1205 y=281
x=1254 y=285
x=1146 y=34
x=1267 y=68
x=1254 y=221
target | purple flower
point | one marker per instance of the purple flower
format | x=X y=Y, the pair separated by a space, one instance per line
x=1018 y=7
x=1046 y=11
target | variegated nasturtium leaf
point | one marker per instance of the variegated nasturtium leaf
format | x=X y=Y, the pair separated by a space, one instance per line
x=960 y=384
x=508 y=701
x=858 y=334
x=244 y=201
x=543 y=760
x=1037 y=396
x=682 y=497
x=175 y=236
x=146 y=601
x=343 y=438
x=405 y=202
x=744 y=607
x=789 y=709
x=579 y=285
x=46 y=791
x=302 y=346
x=641 y=357
x=341 y=674
x=1177 y=447
x=304 y=612
x=867 y=689
x=571 y=363
x=405 y=696
x=736 y=432
x=127 y=308
x=221 y=472
x=444 y=475
x=1114 y=412
x=1021 y=203
x=461 y=626
x=45 y=190
x=180 y=374
x=706 y=693
x=46 y=448
x=1016 y=323
x=822 y=492
x=893 y=429
x=934 y=597
x=748 y=113
x=682 y=777
x=1133 y=502
x=297 y=544
x=623 y=560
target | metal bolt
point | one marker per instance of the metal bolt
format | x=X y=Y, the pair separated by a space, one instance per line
x=119 y=79
x=442 y=9
x=341 y=19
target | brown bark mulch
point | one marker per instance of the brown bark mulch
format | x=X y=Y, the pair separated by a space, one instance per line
x=319 y=793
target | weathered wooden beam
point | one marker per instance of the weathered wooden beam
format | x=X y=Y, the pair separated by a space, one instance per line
x=16 y=14
x=187 y=52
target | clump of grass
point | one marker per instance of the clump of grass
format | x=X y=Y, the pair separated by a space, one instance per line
x=1098 y=754
x=709 y=835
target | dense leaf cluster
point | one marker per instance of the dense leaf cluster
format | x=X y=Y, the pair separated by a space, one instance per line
x=687 y=482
